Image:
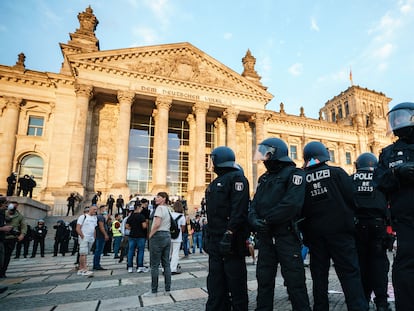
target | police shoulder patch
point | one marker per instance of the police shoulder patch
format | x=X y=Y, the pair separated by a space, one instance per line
x=297 y=180
x=238 y=186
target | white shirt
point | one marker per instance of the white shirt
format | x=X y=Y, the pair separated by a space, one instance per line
x=124 y=231
x=163 y=212
x=181 y=222
x=88 y=224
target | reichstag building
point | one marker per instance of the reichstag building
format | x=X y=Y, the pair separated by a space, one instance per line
x=144 y=119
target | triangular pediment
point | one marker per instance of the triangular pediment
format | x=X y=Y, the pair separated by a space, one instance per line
x=179 y=62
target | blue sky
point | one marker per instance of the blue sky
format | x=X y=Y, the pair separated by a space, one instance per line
x=304 y=49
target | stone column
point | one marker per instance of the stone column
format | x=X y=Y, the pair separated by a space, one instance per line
x=159 y=165
x=200 y=109
x=231 y=115
x=125 y=99
x=220 y=133
x=191 y=157
x=83 y=95
x=8 y=143
x=341 y=154
x=259 y=120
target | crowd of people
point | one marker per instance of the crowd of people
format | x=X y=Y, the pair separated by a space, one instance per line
x=348 y=221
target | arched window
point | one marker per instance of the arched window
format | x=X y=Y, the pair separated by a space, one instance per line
x=32 y=165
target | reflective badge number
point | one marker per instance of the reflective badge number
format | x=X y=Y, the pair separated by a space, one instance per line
x=238 y=186
x=297 y=180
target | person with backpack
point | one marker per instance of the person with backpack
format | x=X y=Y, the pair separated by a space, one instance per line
x=179 y=219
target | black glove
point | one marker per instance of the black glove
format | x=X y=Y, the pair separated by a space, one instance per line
x=225 y=243
x=260 y=226
x=388 y=242
x=406 y=171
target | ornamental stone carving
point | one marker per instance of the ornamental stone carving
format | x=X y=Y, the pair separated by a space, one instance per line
x=182 y=65
x=125 y=96
x=83 y=90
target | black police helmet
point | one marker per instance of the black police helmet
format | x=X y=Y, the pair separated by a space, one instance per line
x=273 y=149
x=401 y=116
x=366 y=161
x=314 y=153
x=223 y=157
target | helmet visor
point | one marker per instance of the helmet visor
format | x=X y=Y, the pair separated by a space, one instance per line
x=400 y=118
x=263 y=153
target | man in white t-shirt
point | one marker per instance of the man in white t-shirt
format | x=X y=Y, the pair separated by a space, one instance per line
x=85 y=228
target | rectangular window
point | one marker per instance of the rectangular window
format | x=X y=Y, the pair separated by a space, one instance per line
x=332 y=155
x=348 y=158
x=35 y=127
x=346 y=108
x=293 y=152
x=340 y=116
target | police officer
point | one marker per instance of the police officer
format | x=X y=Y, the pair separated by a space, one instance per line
x=371 y=219
x=273 y=211
x=39 y=235
x=227 y=200
x=395 y=177
x=328 y=229
x=11 y=184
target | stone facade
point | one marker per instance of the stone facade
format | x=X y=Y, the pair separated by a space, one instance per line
x=75 y=125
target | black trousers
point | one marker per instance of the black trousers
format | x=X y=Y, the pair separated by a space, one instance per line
x=341 y=248
x=61 y=246
x=75 y=248
x=226 y=280
x=26 y=244
x=9 y=245
x=373 y=260
x=71 y=208
x=285 y=250
x=403 y=267
x=36 y=243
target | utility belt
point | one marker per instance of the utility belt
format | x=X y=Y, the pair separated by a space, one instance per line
x=276 y=231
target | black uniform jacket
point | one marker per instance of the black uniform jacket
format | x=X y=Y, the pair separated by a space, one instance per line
x=369 y=201
x=399 y=192
x=279 y=197
x=227 y=201
x=329 y=206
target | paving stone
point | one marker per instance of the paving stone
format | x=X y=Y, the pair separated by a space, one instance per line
x=101 y=284
x=32 y=292
x=188 y=294
x=83 y=305
x=70 y=287
x=160 y=299
x=121 y=303
x=38 y=279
